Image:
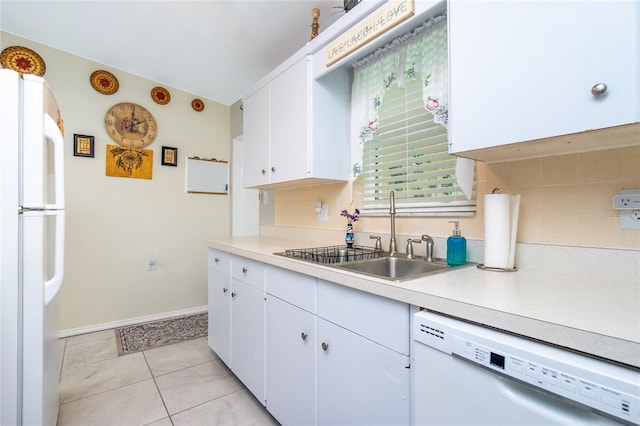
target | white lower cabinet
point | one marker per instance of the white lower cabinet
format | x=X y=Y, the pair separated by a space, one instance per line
x=359 y=381
x=363 y=358
x=219 y=299
x=316 y=353
x=236 y=300
x=291 y=361
x=248 y=337
x=291 y=347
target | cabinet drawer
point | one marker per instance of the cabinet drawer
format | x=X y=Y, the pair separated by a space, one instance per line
x=297 y=289
x=377 y=318
x=219 y=261
x=248 y=271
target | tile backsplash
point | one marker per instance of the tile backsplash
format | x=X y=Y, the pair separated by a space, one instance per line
x=566 y=200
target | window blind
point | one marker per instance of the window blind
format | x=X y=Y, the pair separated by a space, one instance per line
x=408 y=154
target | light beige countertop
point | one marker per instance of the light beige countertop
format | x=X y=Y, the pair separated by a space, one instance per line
x=591 y=315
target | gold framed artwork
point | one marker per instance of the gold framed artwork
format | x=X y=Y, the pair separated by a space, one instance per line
x=129 y=162
x=169 y=156
x=83 y=145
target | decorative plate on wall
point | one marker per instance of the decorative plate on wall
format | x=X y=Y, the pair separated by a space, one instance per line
x=104 y=82
x=160 y=95
x=23 y=60
x=197 y=104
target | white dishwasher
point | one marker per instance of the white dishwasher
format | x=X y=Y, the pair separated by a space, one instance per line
x=465 y=374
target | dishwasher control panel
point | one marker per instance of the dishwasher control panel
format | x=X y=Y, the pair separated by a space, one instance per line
x=603 y=386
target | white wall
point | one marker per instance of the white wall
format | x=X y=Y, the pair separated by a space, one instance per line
x=114 y=224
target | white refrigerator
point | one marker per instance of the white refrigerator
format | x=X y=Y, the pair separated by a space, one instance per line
x=31 y=249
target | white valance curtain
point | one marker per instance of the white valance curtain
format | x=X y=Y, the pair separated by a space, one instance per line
x=421 y=53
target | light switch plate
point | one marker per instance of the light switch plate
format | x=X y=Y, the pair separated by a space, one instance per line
x=323 y=214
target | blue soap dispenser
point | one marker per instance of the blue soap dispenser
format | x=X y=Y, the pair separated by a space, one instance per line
x=456 y=247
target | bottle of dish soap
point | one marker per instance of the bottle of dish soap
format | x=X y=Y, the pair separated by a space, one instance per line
x=456 y=247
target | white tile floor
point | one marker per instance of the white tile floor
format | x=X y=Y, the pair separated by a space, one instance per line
x=180 y=384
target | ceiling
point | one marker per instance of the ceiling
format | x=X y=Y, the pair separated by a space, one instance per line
x=216 y=49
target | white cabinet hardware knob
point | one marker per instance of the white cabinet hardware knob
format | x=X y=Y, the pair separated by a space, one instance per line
x=273 y=169
x=325 y=346
x=233 y=294
x=599 y=89
x=244 y=271
x=224 y=290
x=263 y=171
x=216 y=260
x=303 y=336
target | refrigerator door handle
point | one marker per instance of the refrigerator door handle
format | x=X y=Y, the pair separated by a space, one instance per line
x=52 y=132
x=52 y=286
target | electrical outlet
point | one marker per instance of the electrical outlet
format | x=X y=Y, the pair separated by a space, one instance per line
x=152 y=263
x=628 y=201
x=629 y=219
x=628 y=205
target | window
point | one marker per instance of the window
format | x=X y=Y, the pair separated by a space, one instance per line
x=399 y=132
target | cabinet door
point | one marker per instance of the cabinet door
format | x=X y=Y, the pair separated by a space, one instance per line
x=293 y=287
x=247 y=336
x=257 y=130
x=351 y=309
x=291 y=386
x=290 y=123
x=219 y=295
x=524 y=70
x=248 y=271
x=359 y=381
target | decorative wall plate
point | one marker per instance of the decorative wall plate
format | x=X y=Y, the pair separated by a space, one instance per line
x=160 y=95
x=104 y=82
x=23 y=60
x=197 y=104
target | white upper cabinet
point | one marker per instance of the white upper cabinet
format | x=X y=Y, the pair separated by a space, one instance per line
x=525 y=71
x=256 y=140
x=296 y=128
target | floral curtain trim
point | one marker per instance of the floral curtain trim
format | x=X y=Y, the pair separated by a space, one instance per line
x=422 y=52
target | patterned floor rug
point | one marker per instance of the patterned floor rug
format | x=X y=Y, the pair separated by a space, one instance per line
x=150 y=335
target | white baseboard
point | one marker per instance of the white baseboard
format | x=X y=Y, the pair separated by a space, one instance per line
x=130 y=321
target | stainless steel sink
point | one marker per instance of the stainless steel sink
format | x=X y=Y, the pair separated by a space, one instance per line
x=397 y=268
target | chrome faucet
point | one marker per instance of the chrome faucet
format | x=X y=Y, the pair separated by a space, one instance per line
x=378 y=241
x=392 y=212
x=410 y=247
x=429 y=240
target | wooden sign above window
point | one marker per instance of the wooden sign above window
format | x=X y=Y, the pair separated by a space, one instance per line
x=388 y=17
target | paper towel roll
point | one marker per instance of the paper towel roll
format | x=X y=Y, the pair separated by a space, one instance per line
x=500 y=227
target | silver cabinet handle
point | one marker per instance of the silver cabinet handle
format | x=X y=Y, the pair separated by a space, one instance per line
x=303 y=336
x=224 y=289
x=233 y=294
x=325 y=346
x=244 y=271
x=599 y=89
x=216 y=260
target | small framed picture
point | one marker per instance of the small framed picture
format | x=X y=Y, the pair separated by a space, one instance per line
x=169 y=156
x=83 y=146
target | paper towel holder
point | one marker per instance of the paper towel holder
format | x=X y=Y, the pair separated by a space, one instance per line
x=489 y=268
x=496 y=190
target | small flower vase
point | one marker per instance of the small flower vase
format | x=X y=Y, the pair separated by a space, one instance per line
x=348 y=238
